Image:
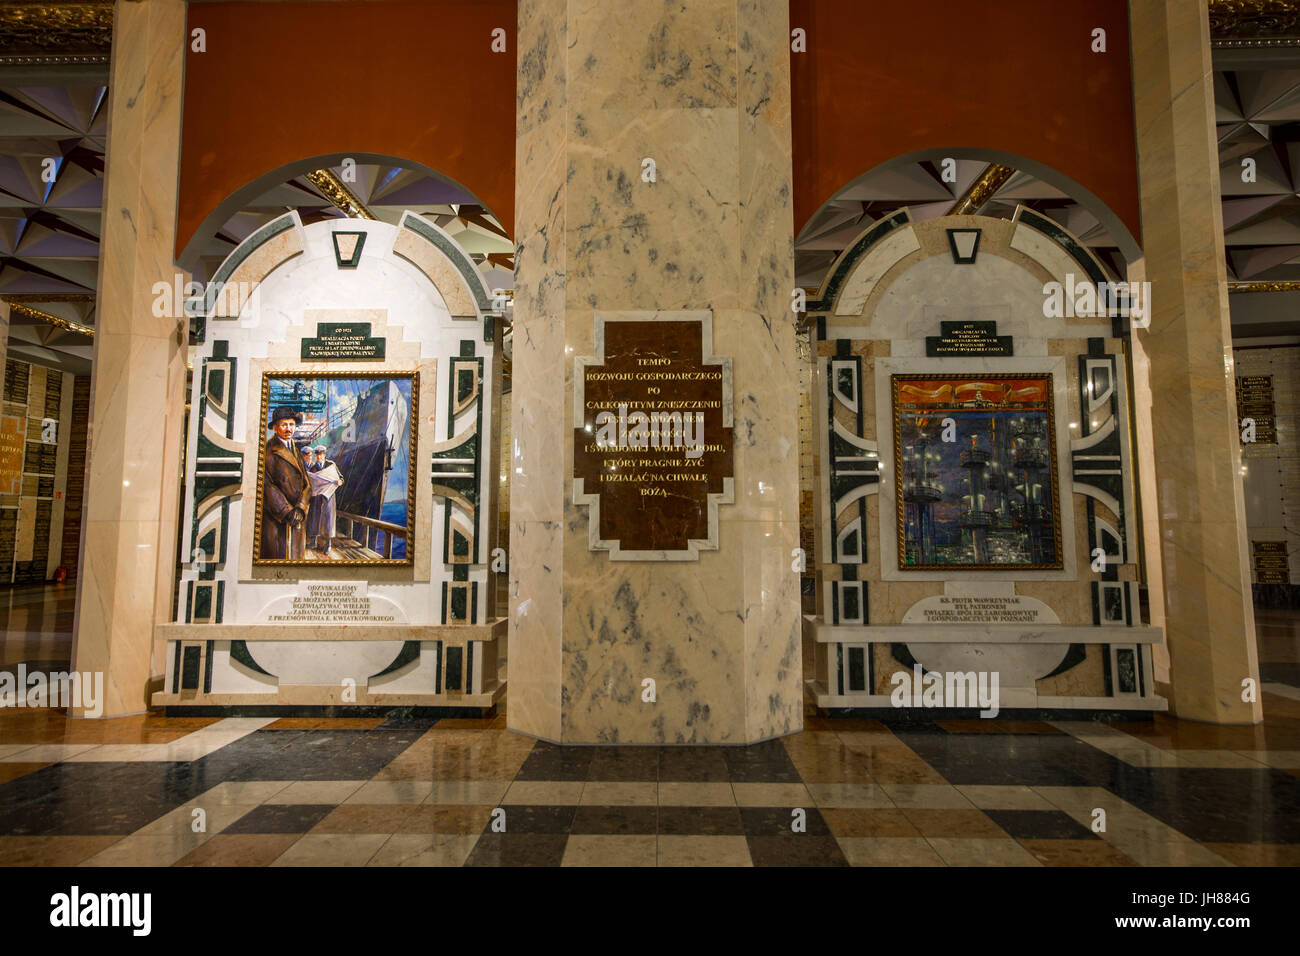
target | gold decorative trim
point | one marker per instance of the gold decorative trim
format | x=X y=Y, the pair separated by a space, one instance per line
x=84 y=298
x=54 y=320
x=1246 y=23
x=1264 y=286
x=39 y=33
x=337 y=192
x=981 y=190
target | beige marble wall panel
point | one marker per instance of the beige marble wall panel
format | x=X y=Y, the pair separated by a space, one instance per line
x=645 y=56
x=670 y=244
x=719 y=636
x=444 y=276
x=1209 y=617
x=1085 y=679
x=766 y=385
x=132 y=478
x=259 y=264
x=538 y=484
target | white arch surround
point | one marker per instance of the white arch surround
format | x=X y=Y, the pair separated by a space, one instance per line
x=420 y=293
x=883 y=297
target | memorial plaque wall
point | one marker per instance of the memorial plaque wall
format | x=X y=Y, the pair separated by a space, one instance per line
x=30 y=431
x=76 y=480
x=1255 y=401
x=1271 y=563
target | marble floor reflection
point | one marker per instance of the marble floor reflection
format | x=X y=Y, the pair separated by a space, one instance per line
x=36 y=624
x=454 y=792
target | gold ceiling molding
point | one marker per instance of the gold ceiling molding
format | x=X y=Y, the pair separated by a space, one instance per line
x=1264 y=286
x=22 y=298
x=1255 y=23
x=981 y=191
x=337 y=192
x=26 y=312
x=33 y=33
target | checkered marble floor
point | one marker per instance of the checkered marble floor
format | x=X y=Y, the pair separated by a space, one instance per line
x=158 y=791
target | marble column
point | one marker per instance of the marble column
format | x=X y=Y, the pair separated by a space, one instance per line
x=703 y=90
x=138 y=373
x=1209 y=618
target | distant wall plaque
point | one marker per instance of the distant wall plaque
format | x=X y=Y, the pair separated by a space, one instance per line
x=967 y=338
x=1271 y=563
x=1255 y=401
x=652 y=442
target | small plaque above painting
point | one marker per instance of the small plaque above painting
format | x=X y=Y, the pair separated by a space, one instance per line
x=342 y=341
x=652 y=442
x=963 y=339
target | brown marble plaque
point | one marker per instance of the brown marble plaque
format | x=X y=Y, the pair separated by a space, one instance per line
x=652 y=443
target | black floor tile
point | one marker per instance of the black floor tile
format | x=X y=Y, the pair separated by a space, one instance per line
x=768 y=762
x=1217 y=805
x=624 y=764
x=693 y=765
x=537 y=819
x=1040 y=825
x=551 y=762
x=795 y=850
x=778 y=821
x=700 y=821
x=614 y=820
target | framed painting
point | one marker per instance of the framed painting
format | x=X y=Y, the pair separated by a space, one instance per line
x=976 y=472
x=335 y=475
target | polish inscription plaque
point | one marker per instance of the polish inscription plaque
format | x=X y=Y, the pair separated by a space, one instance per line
x=652 y=442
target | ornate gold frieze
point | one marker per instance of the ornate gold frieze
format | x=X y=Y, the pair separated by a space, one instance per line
x=1264 y=286
x=337 y=192
x=16 y=309
x=39 y=33
x=1236 y=23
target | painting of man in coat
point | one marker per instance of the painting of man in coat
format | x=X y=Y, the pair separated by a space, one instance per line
x=286 y=490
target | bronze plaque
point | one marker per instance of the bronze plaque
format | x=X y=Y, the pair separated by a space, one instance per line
x=652 y=442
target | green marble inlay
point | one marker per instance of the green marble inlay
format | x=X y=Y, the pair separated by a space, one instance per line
x=410 y=651
x=243 y=251
x=239 y=652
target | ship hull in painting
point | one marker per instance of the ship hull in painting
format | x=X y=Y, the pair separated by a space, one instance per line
x=376 y=428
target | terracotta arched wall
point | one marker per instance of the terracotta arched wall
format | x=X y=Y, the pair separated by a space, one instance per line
x=410 y=78
x=880 y=80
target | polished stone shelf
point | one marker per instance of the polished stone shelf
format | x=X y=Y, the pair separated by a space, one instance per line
x=490 y=631
x=980 y=633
